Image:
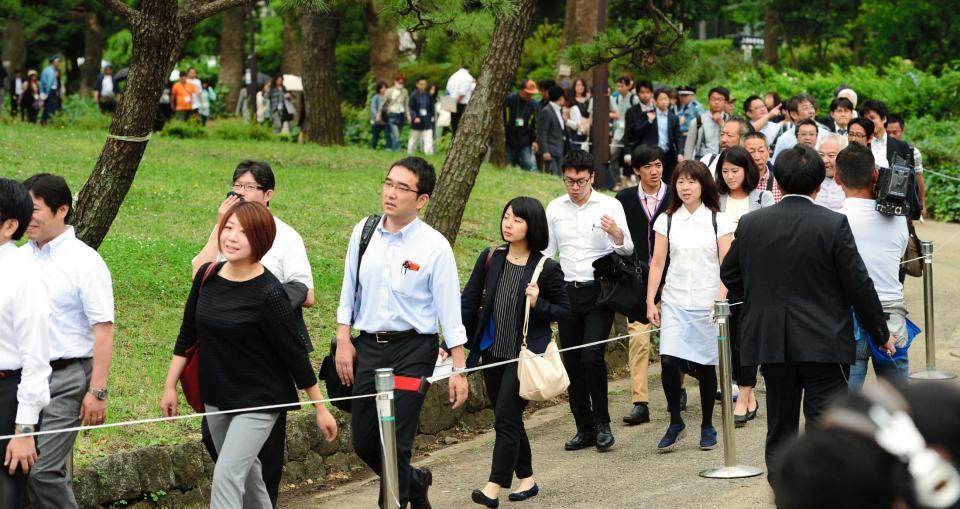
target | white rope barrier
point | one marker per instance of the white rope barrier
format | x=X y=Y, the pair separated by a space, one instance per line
x=941 y=175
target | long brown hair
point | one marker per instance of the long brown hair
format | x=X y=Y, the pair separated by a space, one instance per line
x=698 y=171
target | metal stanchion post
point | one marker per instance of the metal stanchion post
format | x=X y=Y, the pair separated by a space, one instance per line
x=388 y=431
x=730 y=468
x=931 y=373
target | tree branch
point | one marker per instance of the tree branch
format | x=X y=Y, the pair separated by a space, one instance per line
x=192 y=13
x=121 y=9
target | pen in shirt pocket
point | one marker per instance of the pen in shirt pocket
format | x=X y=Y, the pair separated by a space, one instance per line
x=409 y=265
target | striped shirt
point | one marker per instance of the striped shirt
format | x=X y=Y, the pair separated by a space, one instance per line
x=505 y=345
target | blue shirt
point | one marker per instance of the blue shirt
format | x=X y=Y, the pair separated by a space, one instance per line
x=375 y=104
x=48 y=80
x=408 y=280
x=663 y=136
x=689 y=112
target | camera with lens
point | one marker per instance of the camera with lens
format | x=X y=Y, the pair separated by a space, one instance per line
x=896 y=190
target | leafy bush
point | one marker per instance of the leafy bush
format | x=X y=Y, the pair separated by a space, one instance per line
x=943 y=194
x=235 y=129
x=82 y=112
x=353 y=72
x=356 y=125
x=541 y=52
x=184 y=130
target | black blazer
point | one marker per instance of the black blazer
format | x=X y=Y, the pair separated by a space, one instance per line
x=550 y=133
x=798 y=270
x=639 y=130
x=641 y=229
x=553 y=303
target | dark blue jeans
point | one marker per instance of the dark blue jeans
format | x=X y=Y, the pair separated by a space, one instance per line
x=376 y=130
x=395 y=122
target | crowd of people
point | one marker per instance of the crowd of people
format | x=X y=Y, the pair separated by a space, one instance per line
x=796 y=241
x=35 y=97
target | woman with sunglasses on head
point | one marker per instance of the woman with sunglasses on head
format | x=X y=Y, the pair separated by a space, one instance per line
x=493 y=311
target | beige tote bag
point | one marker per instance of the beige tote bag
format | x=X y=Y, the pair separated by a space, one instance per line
x=542 y=377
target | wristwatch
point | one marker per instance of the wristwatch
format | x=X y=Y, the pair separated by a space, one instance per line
x=100 y=394
x=21 y=429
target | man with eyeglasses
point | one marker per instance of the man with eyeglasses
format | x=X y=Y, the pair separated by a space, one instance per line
x=287 y=260
x=398 y=298
x=585 y=226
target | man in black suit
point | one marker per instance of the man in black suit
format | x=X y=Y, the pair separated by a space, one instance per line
x=797 y=267
x=659 y=127
x=884 y=146
x=550 y=131
x=642 y=205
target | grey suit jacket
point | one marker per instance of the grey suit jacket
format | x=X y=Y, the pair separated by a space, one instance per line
x=550 y=133
x=759 y=198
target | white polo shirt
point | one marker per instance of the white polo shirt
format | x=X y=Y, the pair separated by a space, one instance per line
x=24 y=336
x=461 y=84
x=80 y=290
x=881 y=241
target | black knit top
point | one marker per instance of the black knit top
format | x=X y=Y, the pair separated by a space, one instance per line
x=250 y=351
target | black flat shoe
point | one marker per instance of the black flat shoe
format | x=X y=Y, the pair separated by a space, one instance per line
x=752 y=414
x=740 y=420
x=520 y=496
x=604 y=437
x=581 y=440
x=421 y=501
x=478 y=497
x=638 y=415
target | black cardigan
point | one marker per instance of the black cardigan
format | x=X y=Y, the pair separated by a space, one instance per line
x=640 y=228
x=552 y=304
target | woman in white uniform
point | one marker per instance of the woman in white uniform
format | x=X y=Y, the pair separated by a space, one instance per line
x=697 y=236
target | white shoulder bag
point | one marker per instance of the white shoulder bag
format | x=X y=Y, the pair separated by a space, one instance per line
x=542 y=376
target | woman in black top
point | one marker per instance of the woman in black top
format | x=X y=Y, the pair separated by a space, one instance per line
x=493 y=310
x=250 y=355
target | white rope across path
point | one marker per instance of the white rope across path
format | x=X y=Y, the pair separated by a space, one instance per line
x=180 y=417
x=941 y=175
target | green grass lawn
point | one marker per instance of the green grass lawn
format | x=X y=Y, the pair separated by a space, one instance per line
x=168 y=214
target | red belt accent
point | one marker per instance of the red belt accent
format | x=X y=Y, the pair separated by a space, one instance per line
x=410 y=384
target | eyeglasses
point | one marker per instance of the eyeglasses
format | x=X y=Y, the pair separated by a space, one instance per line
x=576 y=182
x=245 y=187
x=856 y=135
x=387 y=184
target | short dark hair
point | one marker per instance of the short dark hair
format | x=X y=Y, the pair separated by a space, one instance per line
x=738 y=156
x=807 y=98
x=841 y=102
x=258 y=225
x=645 y=84
x=380 y=85
x=698 y=171
x=863 y=122
x=896 y=118
x=791 y=104
x=806 y=121
x=546 y=84
x=855 y=165
x=555 y=92
x=645 y=154
x=15 y=204
x=719 y=90
x=260 y=171
x=579 y=160
x=426 y=175
x=799 y=170
x=748 y=101
x=626 y=80
x=662 y=90
x=53 y=190
x=530 y=210
x=875 y=106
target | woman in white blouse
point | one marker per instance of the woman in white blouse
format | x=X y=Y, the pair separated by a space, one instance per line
x=698 y=236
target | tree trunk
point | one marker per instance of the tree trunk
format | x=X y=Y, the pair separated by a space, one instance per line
x=384 y=44
x=462 y=164
x=291 y=60
x=318 y=32
x=771 y=50
x=159 y=36
x=579 y=26
x=231 y=56
x=94 y=40
x=570 y=23
x=14 y=44
x=498 y=145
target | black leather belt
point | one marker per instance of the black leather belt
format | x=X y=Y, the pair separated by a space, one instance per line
x=581 y=284
x=63 y=363
x=4 y=373
x=387 y=337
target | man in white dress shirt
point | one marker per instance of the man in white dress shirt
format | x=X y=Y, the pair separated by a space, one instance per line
x=585 y=226
x=80 y=293
x=460 y=87
x=24 y=346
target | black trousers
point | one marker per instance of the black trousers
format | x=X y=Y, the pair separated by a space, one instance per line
x=413 y=357
x=456 y=116
x=271 y=454
x=670 y=368
x=816 y=384
x=13 y=489
x=586 y=367
x=745 y=376
x=511 y=448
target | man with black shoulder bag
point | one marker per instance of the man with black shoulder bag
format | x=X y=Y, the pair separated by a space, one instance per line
x=398 y=296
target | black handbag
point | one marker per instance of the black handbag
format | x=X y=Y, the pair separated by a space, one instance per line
x=623 y=285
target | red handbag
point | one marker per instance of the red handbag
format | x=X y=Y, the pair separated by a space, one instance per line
x=190 y=378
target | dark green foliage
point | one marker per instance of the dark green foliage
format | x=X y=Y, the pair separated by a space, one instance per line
x=184 y=130
x=353 y=72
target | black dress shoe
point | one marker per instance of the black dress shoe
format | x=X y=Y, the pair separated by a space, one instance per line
x=683 y=399
x=740 y=420
x=639 y=415
x=752 y=414
x=520 y=496
x=420 y=499
x=604 y=437
x=478 y=497
x=581 y=440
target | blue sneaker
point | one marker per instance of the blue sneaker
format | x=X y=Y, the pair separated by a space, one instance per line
x=708 y=438
x=673 y=435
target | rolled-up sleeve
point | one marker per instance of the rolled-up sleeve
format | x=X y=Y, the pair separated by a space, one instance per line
x=445 y=287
